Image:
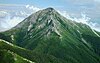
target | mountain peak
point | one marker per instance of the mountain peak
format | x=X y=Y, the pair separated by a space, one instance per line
x=50 y=9
x=51 y=38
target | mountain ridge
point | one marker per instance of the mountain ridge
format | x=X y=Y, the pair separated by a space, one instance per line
x=48 y=33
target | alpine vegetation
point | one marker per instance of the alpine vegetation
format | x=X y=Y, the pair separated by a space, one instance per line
x=48 y=37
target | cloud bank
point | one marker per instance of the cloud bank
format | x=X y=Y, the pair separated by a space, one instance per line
x=10 y=18
x=82 y=19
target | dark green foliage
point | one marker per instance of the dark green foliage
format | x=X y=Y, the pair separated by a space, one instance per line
x=95 y=41
x=6 y=57
x=4 y=37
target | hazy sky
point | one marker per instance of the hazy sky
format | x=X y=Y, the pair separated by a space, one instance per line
x=85 y=11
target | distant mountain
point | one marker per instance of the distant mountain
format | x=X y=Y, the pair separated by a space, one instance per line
x=51 y=38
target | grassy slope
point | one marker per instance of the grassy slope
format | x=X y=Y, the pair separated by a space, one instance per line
x=37 y=57
x=68 y=53
x=10 y=57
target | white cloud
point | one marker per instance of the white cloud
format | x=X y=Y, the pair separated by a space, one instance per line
x=32 y=8
x=83 y=19
x=3 y=13
x=27 y=6
x=11 y=19
x=8 y=21
x=95 y=26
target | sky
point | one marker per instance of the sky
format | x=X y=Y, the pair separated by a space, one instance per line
x=85 y=11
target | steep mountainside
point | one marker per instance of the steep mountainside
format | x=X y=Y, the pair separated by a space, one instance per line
x=55 y=38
